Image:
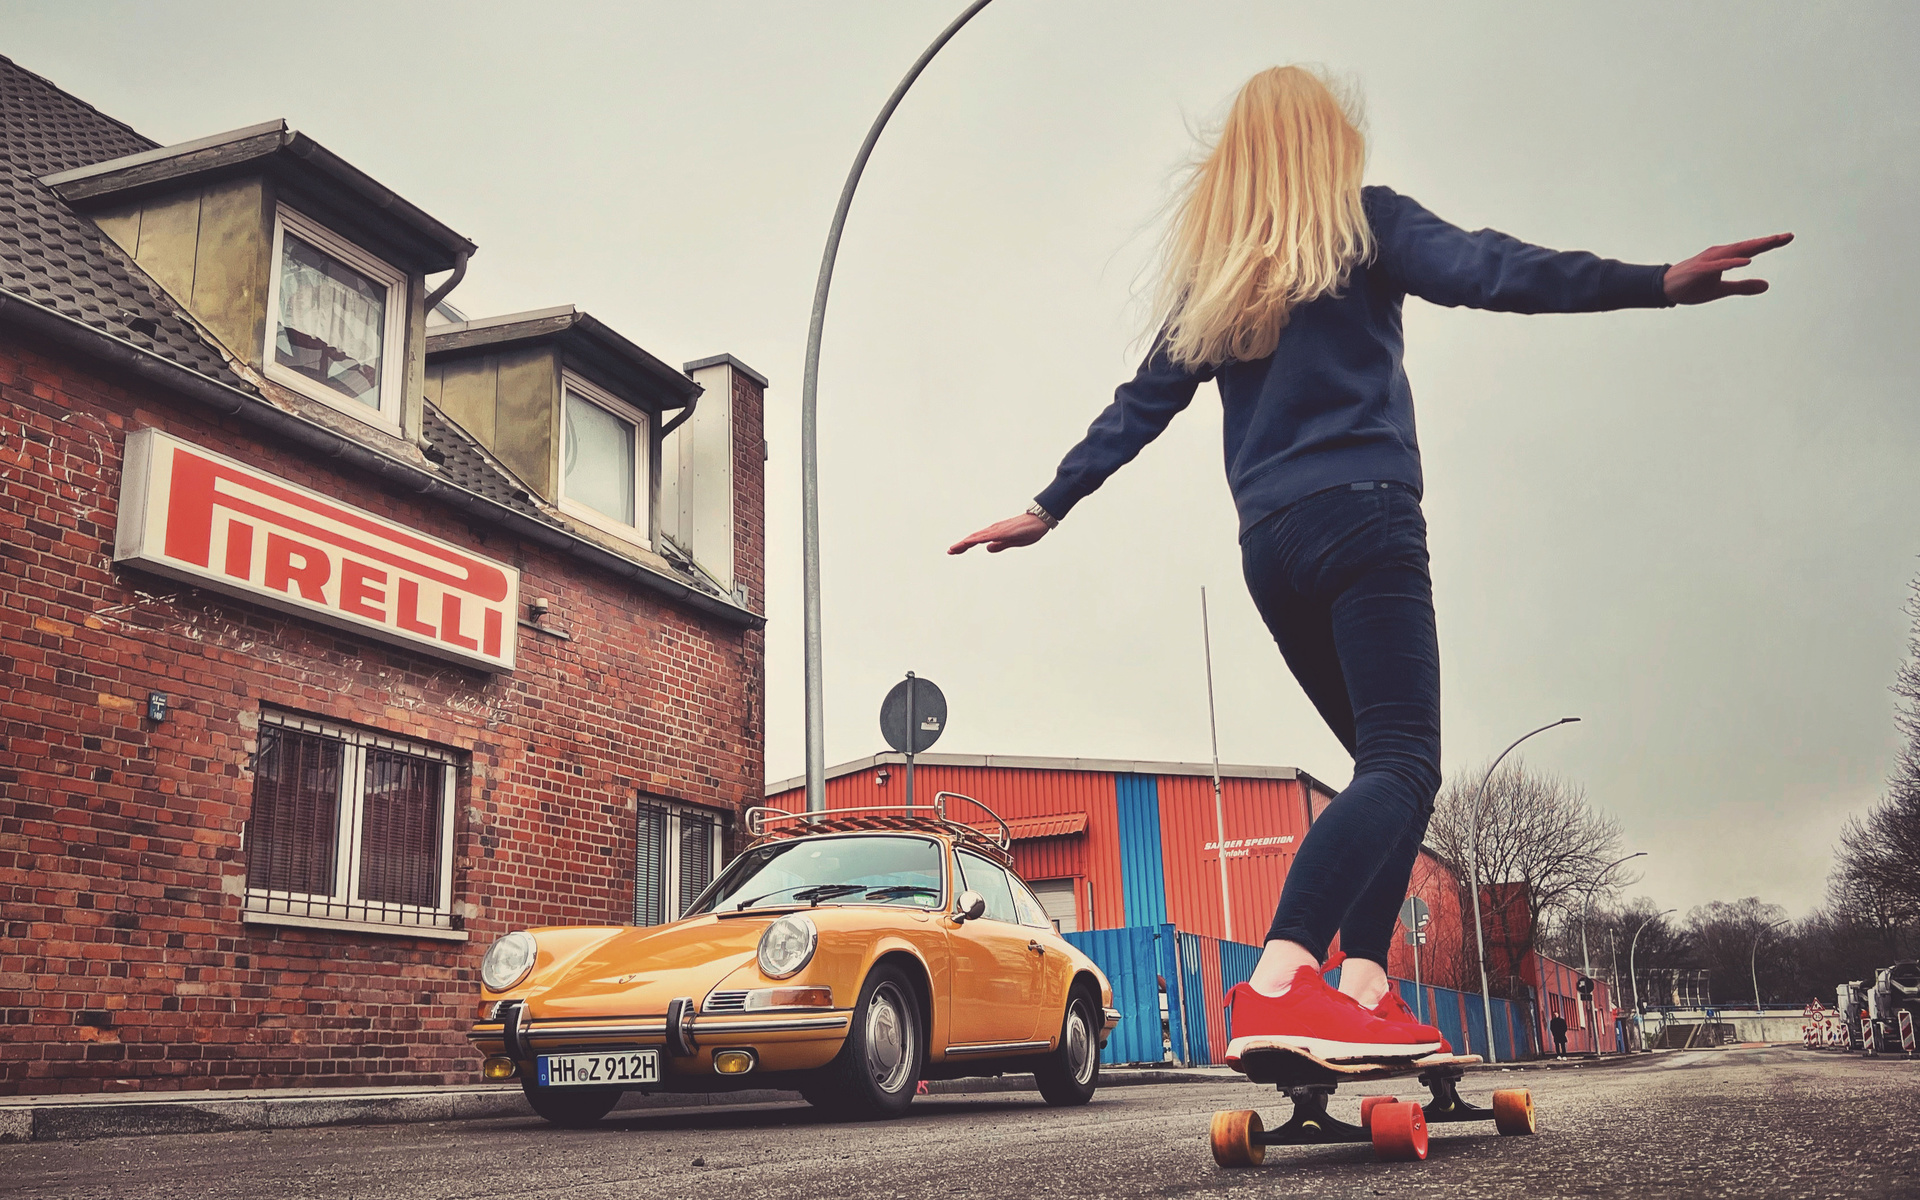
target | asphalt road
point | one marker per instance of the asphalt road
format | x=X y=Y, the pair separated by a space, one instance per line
x=1734 y=1123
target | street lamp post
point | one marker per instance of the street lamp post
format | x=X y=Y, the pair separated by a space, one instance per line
x=1473 y=881
x=1586 y=958
x=1753 y=963
x=1633 y=976
x=809 y=447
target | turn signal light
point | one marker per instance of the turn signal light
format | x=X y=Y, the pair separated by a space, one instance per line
x=790 y=997
x=733 y=1062
x=497 y=1068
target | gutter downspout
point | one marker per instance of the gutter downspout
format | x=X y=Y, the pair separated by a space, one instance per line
x=453 y=281
x=230 y=401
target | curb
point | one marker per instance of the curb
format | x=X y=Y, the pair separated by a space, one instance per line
x=79 y=1118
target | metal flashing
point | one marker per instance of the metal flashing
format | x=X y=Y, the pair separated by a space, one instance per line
x=715 y=360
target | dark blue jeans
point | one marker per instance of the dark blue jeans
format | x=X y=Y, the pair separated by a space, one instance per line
x=1341 y=580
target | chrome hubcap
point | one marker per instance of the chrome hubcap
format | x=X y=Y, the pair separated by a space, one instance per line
x=1080 y=1052
x=889 y=1038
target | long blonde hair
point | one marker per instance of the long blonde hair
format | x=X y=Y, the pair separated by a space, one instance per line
x=1270 y=218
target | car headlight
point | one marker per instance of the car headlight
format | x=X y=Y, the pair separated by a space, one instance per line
x=508 y=961
x=787 y=945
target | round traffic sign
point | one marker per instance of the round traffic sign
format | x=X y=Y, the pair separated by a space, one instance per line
x=913 y=716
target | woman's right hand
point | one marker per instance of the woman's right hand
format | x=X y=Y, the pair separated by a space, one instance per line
x=1023 y=530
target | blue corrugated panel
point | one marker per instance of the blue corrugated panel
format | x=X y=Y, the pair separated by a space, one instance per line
x=1444 y=1014
x=1236 y=963
x=1502 y=1038
x=1476 y=1029
x=1167 y=955
x=1130 y=959
x=1193 y=997
x=1142 y=876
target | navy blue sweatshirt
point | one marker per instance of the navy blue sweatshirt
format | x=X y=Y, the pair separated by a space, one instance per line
x=1331 y=405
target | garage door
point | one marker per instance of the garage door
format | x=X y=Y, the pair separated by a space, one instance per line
x=1056 y=896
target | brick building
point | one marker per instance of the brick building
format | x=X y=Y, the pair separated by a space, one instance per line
x=341 y=634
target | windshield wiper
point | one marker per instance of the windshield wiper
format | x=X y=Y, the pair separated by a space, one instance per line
x=808 y=895
x=900 y=889
x=827 y=891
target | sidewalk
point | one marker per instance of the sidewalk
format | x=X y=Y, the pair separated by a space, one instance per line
x=134 y=1114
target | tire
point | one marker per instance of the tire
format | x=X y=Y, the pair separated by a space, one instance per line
x=876 y=1072
x=571 y=1108
x=1070 y=1074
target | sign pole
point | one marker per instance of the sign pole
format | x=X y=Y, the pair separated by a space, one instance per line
x=1219 y=809
x=912 y=724
x=1419 y=993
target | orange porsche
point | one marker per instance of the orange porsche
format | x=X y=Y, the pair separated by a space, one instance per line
x=846 y=956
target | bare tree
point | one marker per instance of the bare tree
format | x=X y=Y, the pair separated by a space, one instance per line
x=1880 y=852
x=1540 y=845
x=1727 y=938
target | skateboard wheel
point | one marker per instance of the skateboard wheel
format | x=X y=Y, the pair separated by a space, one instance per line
x=1367 y=1105
x=1399 y=1131
x=1513 y=1112
x=1234 y=1137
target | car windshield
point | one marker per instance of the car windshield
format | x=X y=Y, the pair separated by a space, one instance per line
x=831 y=870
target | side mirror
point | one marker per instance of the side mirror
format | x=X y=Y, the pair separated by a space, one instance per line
x=973 y=906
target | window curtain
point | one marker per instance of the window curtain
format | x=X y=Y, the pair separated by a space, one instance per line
x=332 y=321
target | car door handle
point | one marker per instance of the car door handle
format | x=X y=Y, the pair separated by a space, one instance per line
x=1036 y=947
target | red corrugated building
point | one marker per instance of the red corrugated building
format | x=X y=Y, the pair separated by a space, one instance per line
x=1107 y=843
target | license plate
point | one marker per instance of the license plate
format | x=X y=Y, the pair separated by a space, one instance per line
x=600 y=1070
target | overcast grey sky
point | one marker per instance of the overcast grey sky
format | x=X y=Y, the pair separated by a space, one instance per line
x=1692 y=528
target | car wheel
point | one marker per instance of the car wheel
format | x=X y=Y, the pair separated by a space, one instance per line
x=571 y=1108
x=1071 y=1073
x=876 y=1071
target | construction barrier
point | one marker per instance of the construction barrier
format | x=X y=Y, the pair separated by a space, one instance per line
x=1171 y=989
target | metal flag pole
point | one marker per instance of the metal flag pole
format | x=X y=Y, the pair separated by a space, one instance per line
x=809 y=447
x=1219 y=809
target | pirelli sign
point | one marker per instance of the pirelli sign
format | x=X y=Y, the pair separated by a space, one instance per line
x=205 y=519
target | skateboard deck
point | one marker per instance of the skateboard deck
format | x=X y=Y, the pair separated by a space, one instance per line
x=1397 y=1128
x=1284 y=1066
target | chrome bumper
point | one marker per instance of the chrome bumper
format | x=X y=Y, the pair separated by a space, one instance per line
x=529 y=1037
x=1112 y=1017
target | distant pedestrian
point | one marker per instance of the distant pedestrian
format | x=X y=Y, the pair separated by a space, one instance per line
x=1558 y=1027
x=1283 y=284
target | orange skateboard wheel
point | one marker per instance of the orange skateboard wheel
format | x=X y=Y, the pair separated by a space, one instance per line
x=1233 y=1137
x=1513 y=1112
x=1399 y=1131
x=1367 y=1105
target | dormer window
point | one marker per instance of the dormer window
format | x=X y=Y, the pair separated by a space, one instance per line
x=604 y=452
x=335 y=321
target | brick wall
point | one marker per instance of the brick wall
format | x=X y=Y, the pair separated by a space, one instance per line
x=124 y=961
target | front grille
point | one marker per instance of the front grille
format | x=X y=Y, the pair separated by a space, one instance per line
x=725 y=1002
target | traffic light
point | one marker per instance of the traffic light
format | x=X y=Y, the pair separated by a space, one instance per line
x=1585 y=987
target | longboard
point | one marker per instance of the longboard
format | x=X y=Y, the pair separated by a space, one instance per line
x=1397 y=1128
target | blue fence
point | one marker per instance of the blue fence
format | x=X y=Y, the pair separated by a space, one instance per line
x=1171 y=987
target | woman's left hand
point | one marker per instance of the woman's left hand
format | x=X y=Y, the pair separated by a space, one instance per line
x=1697 y=280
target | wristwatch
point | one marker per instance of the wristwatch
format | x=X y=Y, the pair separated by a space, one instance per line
x=1046 y=518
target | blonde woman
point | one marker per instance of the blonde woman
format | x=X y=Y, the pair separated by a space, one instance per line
x=1283 y=284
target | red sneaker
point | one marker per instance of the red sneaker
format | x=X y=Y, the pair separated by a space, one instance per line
x=1394 y=1011
x=1314 y=1018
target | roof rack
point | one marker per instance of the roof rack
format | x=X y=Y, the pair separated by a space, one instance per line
x=766 y=823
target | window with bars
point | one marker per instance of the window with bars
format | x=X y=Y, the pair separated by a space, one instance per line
x=675 y=851
x=349 y=826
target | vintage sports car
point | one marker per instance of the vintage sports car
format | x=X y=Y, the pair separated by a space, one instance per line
x=846 y=956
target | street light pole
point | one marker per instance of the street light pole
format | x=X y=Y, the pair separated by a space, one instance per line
x=1633 y=976
x=809 y=449
x=1473 y=881
x=1753 y=963
x=1586 y=958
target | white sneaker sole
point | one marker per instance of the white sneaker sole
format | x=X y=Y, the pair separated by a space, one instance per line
x=1331 y=1051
